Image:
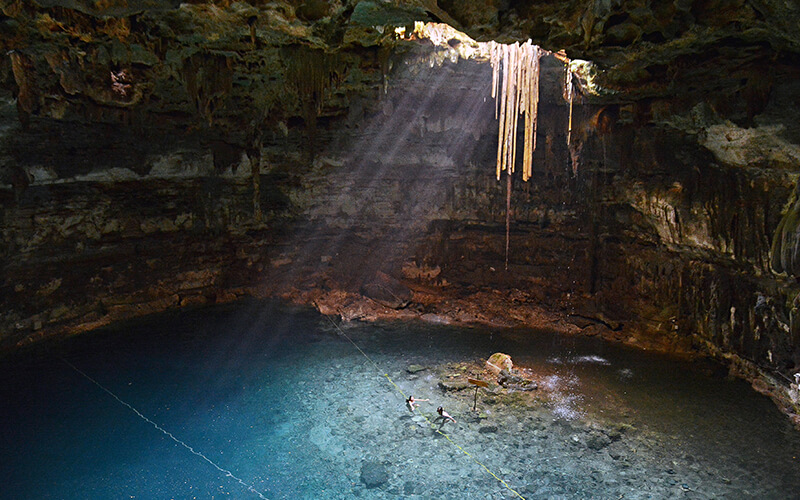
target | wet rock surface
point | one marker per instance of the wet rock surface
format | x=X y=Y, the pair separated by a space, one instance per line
x=387 y=291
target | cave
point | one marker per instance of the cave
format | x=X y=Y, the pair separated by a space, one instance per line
x=238 y=237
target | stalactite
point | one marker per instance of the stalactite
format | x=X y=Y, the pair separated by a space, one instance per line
x=508 y=217
x=309 y=74
x=209 y=79
x=251 y=22
x=24 y=76
x=570 y=97
x=254 y=156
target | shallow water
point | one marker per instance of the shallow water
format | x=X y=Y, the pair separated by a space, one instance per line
x=256 y=400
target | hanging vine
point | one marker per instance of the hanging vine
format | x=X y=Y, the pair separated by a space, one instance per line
x=569 y=93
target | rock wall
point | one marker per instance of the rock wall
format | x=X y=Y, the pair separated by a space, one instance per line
x=106 y=221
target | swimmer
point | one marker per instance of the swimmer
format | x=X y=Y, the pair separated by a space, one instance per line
x=444 y=416
x=412 y=403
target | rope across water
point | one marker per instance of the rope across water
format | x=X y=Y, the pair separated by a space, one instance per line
x=250 y=487
x=226 y=472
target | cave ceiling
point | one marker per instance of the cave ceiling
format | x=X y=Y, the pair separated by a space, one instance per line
x=211 y=60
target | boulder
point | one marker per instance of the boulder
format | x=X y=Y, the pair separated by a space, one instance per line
x=387 y=291
x=498 y=362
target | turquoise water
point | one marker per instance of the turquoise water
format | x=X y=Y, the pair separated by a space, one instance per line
x=258 y=400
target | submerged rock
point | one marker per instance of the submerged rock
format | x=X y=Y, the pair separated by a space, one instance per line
x=457 y=384
x=511 y=380
x=374 y=474
x=412 y=488
x=597 y=440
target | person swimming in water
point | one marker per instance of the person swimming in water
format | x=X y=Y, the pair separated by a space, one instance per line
x=444 y=416
x=412 y=403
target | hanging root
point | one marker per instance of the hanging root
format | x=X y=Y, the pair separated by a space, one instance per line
x=516 y=92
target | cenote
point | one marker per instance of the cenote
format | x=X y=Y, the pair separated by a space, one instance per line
x=260 y=399
x=237 y=236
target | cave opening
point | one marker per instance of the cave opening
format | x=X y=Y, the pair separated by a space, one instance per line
x=238 y=236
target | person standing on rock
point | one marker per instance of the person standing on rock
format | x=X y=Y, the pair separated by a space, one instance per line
x=412 y=403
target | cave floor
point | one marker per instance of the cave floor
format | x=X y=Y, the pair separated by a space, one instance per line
x=257 y=400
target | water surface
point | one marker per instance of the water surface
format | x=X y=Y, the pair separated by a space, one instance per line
x=259 y=400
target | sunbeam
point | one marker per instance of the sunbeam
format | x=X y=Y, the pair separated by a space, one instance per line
x=417 y=108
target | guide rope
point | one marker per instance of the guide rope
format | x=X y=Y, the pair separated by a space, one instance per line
x=430 y=423
x=226 y=472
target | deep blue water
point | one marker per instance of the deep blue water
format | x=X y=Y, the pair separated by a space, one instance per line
x=287 y=405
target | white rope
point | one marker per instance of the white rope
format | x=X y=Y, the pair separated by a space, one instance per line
x=226 y=472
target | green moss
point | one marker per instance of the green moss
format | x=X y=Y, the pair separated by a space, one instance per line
x=368 y=13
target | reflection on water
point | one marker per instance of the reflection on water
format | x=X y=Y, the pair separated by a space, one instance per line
x=284 y=402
